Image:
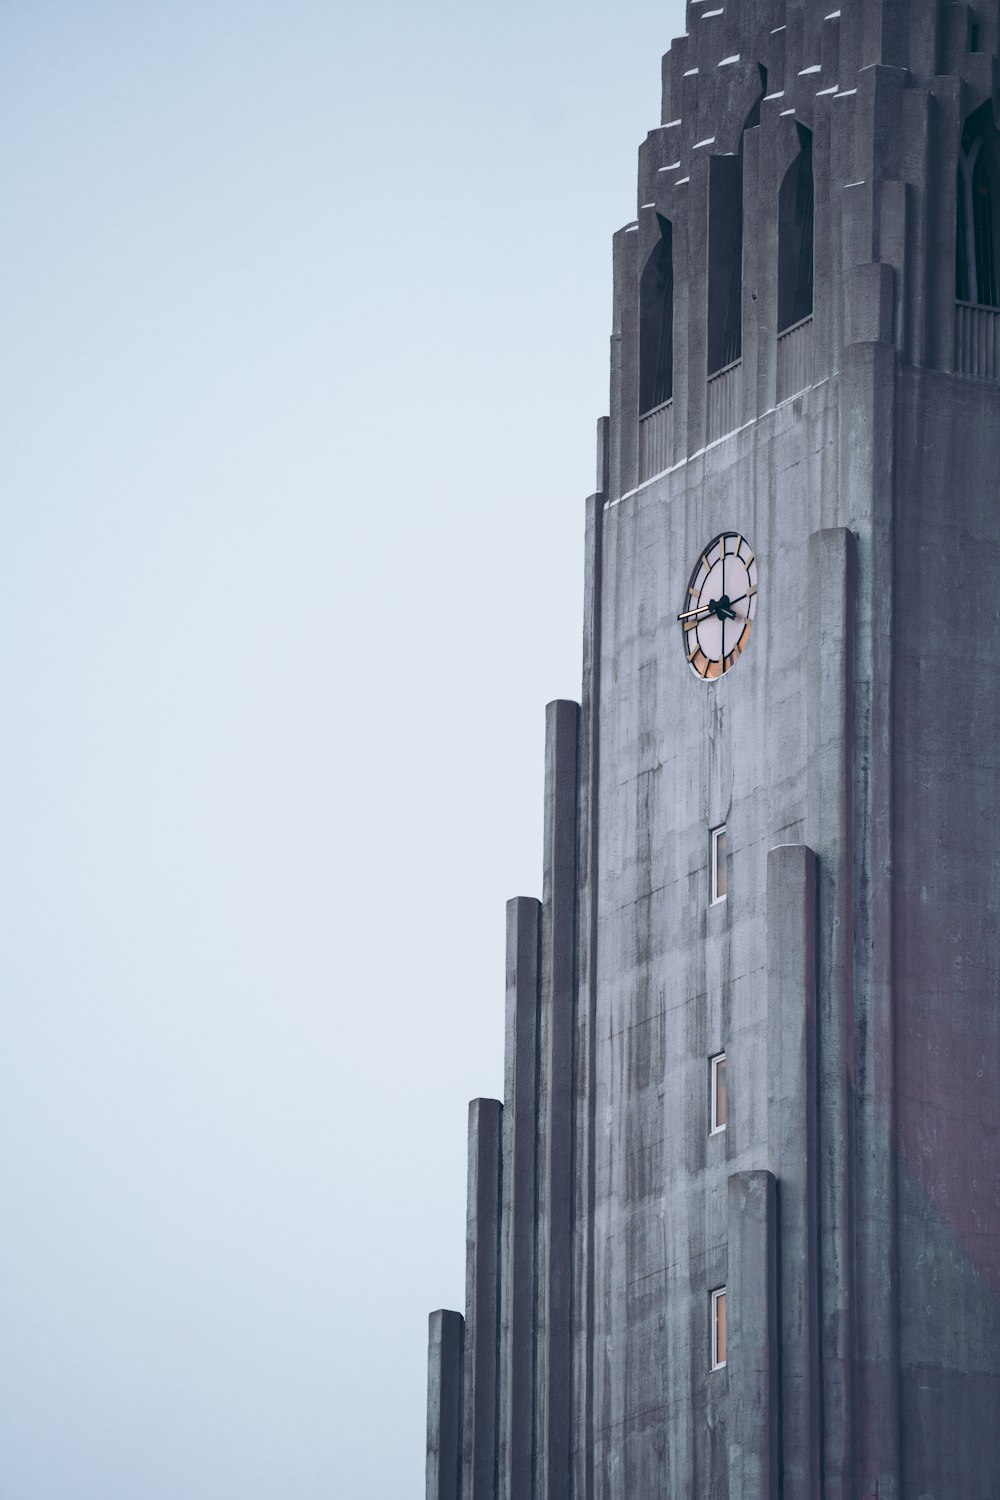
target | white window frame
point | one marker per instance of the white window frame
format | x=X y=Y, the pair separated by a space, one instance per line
x=719 y=1295
x=715 y=1127
x=714 y=835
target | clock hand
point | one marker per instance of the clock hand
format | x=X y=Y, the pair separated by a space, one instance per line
x=721 y=608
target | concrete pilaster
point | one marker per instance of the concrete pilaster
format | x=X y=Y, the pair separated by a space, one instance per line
x=752 y=1355
x=586 y=1013
x=556 y=1105
x=792 y=1147
x=869 y=376
x=518 y=1235
x=444 y=1406
x=832 y=576
x=482 y=1303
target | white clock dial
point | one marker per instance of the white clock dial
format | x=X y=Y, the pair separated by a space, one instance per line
x=720 y=606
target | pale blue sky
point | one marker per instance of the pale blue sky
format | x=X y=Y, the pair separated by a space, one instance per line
x=305 y=322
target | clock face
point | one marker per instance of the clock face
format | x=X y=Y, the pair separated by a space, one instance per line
x=720 y=605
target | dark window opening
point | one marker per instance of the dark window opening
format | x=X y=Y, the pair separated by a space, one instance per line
x=963 y=280
x=973 y=36
x=725 y=261
x=977 y=220
x=725 y=250
x=983 y=216
x=656 y=323
x=795 y=238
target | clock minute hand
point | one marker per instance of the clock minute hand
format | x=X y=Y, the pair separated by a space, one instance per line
x=692 y=614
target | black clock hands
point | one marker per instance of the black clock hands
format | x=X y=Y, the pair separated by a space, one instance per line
x=721 y=608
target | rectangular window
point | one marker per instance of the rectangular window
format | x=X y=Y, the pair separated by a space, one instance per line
x=719 y=862
x=718 y=1110
x=719 y=1328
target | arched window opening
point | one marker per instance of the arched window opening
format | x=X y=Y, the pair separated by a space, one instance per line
x=977 y=275
x=656 y=323
x=795 y=238
x=725 y=261
x=725 y=250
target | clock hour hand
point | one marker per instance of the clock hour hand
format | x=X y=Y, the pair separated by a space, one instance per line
x=721 y=608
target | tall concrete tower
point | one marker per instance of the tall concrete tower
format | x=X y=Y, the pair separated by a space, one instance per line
x=734 y=1233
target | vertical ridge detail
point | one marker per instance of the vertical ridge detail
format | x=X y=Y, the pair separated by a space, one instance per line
x=482 y=1302
x=518 y=1204
x=555 y=1105
x=791 y=1134
x=444 y=1405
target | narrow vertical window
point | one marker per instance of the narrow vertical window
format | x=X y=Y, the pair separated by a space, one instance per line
x=977 y=220
x=719 y=1328
x=719 y=863
x=717 y=1111
x=725 y=250
x=725 y=261
x=656 y=324
x=795 y=238
x=983 y=221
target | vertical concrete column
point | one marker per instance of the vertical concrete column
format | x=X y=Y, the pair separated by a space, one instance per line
x=925 y=33
x=482 y=1303
x=792 y=1139
x=752 y=1353
x=850 y=40
x=517 y=1244
x=586 y=1015
x=833 y=582
x=865 y=917
x=556 y=1105
x=444 y=1406
x=886 y=27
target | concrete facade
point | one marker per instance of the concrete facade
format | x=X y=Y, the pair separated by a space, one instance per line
x=851 y=976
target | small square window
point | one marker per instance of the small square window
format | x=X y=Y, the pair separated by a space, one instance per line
x=719 y=862
x=718 y=1104
x=719 y=1328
